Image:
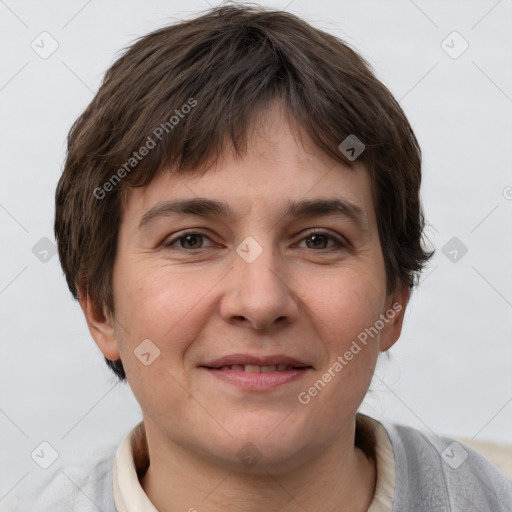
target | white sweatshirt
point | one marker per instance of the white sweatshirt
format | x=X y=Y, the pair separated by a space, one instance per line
x=416 y=472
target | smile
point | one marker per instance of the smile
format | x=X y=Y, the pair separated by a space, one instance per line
x=257 y=378
x=254 y=368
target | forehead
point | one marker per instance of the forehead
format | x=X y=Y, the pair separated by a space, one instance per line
x=280 y=166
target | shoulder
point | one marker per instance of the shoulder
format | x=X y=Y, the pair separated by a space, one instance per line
x=84 y=485
x=439 y=473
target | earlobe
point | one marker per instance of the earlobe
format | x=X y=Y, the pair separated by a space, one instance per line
x=394 y=312
x=101 y=325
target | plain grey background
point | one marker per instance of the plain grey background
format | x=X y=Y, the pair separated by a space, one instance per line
x=447 y=62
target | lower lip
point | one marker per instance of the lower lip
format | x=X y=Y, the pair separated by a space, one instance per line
x=257 y=381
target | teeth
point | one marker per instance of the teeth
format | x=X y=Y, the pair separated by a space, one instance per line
x=254 y=368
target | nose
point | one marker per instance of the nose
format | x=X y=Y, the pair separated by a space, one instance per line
x=259 y=293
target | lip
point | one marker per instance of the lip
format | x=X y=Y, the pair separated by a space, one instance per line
x=249 y=381
x=258 y=381
x=245 y=359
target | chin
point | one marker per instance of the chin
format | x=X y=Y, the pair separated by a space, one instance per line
x=253 y=450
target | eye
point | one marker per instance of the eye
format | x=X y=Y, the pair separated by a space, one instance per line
x=188 y=240
x=316 y=239
x=319 y=239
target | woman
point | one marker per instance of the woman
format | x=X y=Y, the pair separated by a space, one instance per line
x=239 y=217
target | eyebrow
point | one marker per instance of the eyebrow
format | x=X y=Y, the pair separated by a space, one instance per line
x=203 y=207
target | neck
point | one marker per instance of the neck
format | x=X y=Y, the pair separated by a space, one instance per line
x=339 y=479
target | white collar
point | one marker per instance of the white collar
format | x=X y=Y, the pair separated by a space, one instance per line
x=129 y=495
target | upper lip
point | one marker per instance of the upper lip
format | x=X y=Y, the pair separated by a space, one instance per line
x=244 y=359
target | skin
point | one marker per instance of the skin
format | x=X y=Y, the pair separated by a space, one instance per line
x=200 y=300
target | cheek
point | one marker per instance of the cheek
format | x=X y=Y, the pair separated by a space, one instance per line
x=343 y=319
x=158 y=304
x=346 y=303
x=345 y=313
x=154 y=297
x=165 y=305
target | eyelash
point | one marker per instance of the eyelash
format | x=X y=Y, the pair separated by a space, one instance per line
x=314 y=231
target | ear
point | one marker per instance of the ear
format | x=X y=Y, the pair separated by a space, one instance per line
x=101 y=325
x=394 y=311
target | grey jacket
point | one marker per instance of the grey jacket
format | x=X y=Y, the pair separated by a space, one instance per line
x=433 y=474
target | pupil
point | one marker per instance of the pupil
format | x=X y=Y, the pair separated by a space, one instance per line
x=191 y=240
x=317 y=239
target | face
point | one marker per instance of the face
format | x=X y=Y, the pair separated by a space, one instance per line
x=259 y=321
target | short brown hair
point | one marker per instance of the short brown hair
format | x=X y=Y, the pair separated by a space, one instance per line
x=226 y=65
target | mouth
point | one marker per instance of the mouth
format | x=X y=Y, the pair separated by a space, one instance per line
x=257 y=373
x=256 y=364
x=254 y=368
